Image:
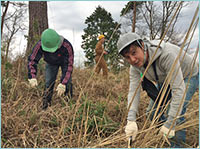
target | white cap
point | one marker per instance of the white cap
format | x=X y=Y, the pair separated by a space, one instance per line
x=126 y=39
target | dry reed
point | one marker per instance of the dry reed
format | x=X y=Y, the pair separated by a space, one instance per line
x=101 y=110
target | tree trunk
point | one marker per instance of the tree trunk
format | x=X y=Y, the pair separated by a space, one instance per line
x=38 y=22
x=134 y=16
x=3 y=16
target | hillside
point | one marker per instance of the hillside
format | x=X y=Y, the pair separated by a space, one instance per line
x=92 y=118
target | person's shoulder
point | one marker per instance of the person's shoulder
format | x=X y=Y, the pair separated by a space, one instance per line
x=156 y=42
x=171 y=49
x=38 y=45
x=168 y=55
x=67 y=41
x=98 y=44
x=39 y=42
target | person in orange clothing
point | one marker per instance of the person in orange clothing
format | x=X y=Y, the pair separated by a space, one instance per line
x=101 y=63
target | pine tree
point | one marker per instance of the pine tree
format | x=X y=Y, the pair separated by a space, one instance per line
x=100 y=22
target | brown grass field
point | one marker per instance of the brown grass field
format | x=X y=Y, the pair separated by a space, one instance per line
x=93 y=118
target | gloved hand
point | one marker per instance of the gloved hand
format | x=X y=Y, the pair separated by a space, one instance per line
x=33 y=82
x=165 y=128
x=131 y=129
x=60 y=89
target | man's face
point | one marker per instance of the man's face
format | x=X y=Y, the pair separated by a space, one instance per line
x=135 y=56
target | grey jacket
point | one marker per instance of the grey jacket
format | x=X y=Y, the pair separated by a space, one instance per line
x=165 y=57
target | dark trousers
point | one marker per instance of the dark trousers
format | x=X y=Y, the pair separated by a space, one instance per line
x=50 y=78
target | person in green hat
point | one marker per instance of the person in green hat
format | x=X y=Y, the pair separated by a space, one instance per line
x=57 y=52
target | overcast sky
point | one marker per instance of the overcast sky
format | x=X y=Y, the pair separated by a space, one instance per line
x=68 y=17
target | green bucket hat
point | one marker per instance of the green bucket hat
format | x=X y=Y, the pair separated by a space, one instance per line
x=50 y=40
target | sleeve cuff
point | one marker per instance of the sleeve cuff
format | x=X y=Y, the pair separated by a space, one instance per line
x=169 y=122
x=131 y=115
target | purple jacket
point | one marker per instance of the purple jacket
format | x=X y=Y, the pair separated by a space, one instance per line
x=64 y=56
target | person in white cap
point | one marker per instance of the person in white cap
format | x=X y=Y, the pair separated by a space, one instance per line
x=57 y=52
x=138 y=53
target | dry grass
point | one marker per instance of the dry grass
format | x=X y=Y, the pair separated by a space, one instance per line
x=92 y=120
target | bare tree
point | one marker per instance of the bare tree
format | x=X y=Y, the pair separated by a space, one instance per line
x=152 y=19
x=4 y=5
x=13 y=21
x=38 y=22
x=157 y=16
x=134 y=16
x=130 y=16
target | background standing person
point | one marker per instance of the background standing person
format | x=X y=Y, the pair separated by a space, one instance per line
x=101 y=63
x=139 y=53
x=57 y=52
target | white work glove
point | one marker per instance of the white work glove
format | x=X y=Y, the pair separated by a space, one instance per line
x=33 y=82
x=165 y=128
x=131 y=129
x=60 y=89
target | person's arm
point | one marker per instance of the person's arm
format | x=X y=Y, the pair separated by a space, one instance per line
x=68 y=63
x=131 y=128
x=134 y=82
x=177 y=86
x=33 y=60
